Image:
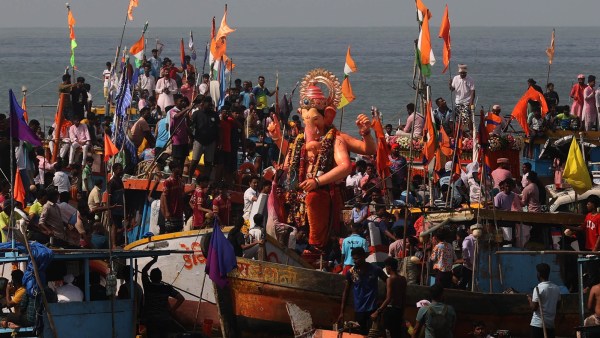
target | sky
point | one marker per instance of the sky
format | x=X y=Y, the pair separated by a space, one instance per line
x=300 y=13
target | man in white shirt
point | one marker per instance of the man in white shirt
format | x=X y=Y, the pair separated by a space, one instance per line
x=543 y=303
x=61 y=179
x=106 y=75
x=69 y=292
x=464 y=86
x=250 y=196
x=147 y=81
x=204 y=88
x=80 y=139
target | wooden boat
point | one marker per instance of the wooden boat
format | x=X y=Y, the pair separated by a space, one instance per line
x=98 y=318
x=258 y=293
x=186 y=272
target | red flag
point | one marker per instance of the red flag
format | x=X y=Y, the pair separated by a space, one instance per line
x=445 y=34
x=182 y=54
x=431 y=143
x=519 y=113
x=109 y=148
x=132 y=4
x=19 y=189
x=383 y=154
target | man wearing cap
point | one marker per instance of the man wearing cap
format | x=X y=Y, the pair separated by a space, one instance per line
x=502 y=172
x=464 y=88
x=468 y=256
x=589 y=113
x=577 y=96
x=494 y=123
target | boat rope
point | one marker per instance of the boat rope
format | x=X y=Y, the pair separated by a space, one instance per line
x=45 y=84
x=183 y=266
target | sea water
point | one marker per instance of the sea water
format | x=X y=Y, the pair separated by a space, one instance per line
x=499 y=59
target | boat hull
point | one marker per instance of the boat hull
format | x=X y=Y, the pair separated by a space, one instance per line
x=259 y=292
x=186 y=271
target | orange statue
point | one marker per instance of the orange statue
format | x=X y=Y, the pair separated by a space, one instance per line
x=319 y=158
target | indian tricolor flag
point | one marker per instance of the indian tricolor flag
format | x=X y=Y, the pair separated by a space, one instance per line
x=137 y=51
x=424 y=52
x=71 y=21
x=347 y=94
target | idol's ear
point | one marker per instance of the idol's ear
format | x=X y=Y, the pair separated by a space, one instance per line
x=329 y=115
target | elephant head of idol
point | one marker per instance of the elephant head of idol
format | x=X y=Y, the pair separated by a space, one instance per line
x=317 y=110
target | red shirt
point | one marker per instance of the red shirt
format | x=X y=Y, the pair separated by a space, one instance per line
x=591 y=230
x=198 y=199
x=226 y=126
x=174 y=191
x=224 y=206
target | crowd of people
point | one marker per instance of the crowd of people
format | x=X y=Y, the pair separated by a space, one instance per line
x=221 y=144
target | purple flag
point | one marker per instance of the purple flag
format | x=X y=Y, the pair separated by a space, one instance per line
x=20 y=129
x=221 y=257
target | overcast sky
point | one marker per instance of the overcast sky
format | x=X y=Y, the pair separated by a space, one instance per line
x=300 y=13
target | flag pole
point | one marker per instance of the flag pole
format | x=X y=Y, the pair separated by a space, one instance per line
x=341 y=118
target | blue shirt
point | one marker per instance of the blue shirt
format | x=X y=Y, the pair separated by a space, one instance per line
x=351 y=242
x=247 y=98
x=364 y=287
x=162 y=132
x=156 y=64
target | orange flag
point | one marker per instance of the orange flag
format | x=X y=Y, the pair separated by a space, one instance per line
x=383 y=154
x=519 y=113
x=132 y=4
x=445 y=34
x=109 y=148
x=445 y=143
x=24 y=106
x=550 y=50
x=19 y=189
x=431 y=143
x=218 y=45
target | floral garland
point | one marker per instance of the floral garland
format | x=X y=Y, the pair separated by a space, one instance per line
x=325 y=157
x=505 y=142
x=296 y=162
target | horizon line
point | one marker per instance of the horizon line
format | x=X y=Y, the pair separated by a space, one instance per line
x=312 y=27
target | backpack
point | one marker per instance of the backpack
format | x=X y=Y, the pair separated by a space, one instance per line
x=438 y=322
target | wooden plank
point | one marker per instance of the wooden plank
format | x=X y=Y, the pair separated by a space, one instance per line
x=556 y=218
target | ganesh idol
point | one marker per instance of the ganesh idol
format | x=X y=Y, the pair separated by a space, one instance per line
x=318 y=159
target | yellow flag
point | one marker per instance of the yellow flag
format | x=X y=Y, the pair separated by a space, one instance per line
x=576 y=172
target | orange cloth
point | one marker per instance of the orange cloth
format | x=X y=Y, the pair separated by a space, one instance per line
x=445 y=34
x=318 y=212
x=520 y=110
x=431 y=143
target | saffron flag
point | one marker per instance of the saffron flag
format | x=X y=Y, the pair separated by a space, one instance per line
x=491 y=122
x=425 y=56
x=550 y=50
x=383 y=153
x=445 y=146
x=19 y=128
x=221 y=257
x=137 y=51
x=576 y=171
x=347 y=93
x=445 y=34
x=132 y=4
x=431 y=144
x=182 y=54
x=71 y=21
x=520 y=110
x=19 y=189
x=24 y=106
x=110 y=149
x=218 y=45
